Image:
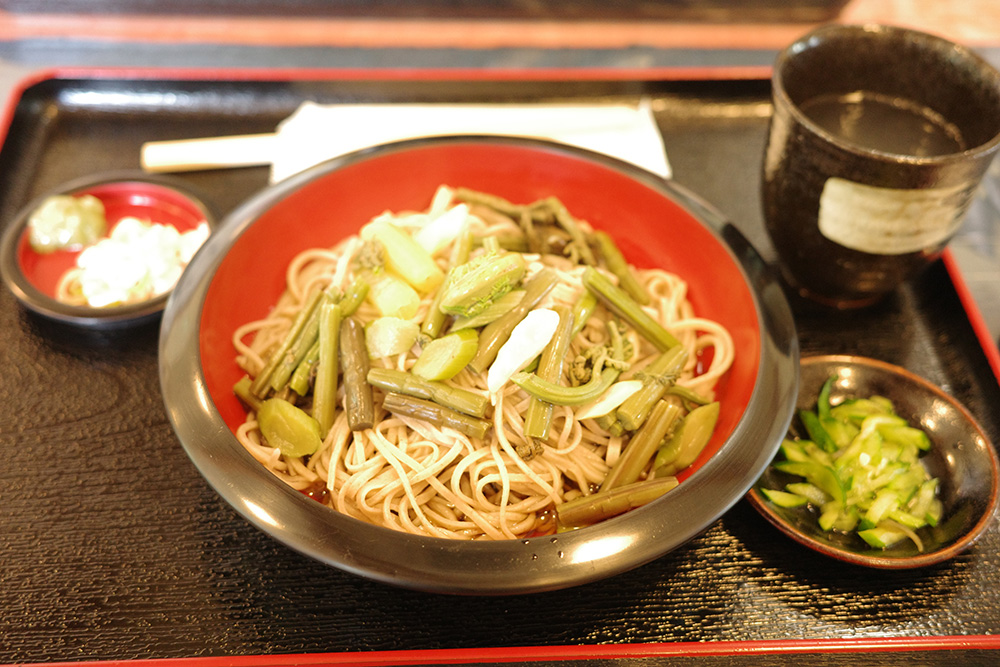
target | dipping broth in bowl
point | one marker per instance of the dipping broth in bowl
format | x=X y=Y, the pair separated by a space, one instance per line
x=406 y=497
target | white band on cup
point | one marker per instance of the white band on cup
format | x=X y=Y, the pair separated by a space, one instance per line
x=887 y=221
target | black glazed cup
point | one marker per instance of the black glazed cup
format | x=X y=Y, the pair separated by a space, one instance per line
x=852 y=217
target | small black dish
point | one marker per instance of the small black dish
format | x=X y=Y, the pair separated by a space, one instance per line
x=33 y=277
x=961 y=456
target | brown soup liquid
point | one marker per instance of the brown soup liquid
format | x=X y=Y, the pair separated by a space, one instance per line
x=886 y=124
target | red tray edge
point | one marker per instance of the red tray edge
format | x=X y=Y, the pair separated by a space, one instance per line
x=973 y=312
x=522 y=654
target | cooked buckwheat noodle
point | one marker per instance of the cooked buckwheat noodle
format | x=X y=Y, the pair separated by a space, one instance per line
x=411 y=476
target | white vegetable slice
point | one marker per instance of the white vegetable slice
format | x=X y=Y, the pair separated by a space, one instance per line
x=609 y=400
x=443 y=229
x=527 y=340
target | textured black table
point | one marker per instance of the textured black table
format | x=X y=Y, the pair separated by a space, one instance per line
x=113 y=547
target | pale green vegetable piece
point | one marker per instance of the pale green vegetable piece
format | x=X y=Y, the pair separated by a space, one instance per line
x=394 y=297
x=609 y=400
x=388 y=336
x=65 y=221
x=442 y=229
x=404 y=256
x=444 y=357
x=473 y=286
x=491 y=313
x=288 y=428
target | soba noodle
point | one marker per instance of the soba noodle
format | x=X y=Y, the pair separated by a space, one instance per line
x=409 y=475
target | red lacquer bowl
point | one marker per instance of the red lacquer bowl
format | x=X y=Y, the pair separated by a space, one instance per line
x=240 y=273
x=33 y=277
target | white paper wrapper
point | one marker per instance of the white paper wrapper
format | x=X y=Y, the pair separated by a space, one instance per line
x=316 y=132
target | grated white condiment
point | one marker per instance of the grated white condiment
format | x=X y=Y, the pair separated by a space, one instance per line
x=137 y=261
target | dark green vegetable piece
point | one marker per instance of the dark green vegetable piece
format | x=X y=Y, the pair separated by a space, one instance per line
x=582 y=310
x=496 y=333
x=587 y=510
x=392 y=380
x=358 y=400
x=817 y=433
x=626 y=307
x=438 y=415
x=353 y=296
x=301 y=380
x=656 y=378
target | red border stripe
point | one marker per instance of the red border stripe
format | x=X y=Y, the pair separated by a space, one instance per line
x=522 y=654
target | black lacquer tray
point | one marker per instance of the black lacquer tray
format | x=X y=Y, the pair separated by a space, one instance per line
x=113 y=547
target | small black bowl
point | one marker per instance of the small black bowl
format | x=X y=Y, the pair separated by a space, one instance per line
x=33 y=276
x=961 y=456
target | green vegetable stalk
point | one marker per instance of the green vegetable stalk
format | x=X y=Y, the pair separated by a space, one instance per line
x=438 y=415
x=435 y=319
x=606 y=370
x=616 y=263
x=538 y=417
x=396 y=381
x=620 y=303
x=587 y=510
x=327 y=368
x=656 y=378
x=261 y=385
x=642 y=447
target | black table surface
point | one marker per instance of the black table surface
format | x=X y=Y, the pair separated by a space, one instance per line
x=112 y=546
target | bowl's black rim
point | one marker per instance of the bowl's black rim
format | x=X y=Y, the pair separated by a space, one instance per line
x=436 y=565
x=873 y=560
x=115 y=317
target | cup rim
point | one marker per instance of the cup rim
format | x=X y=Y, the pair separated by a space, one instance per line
x=809 y=39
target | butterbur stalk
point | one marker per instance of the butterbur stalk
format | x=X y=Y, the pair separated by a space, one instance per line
x=358 y=400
